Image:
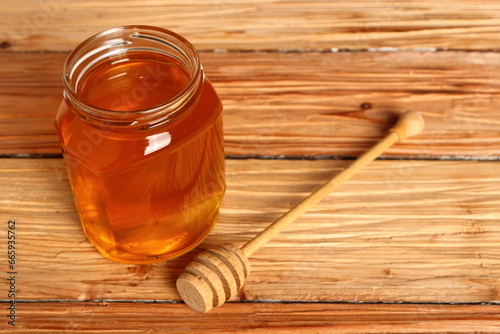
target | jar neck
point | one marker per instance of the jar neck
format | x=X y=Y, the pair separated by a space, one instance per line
x=118 y=44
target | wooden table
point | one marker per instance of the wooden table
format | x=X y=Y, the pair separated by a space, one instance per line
x=411 y=244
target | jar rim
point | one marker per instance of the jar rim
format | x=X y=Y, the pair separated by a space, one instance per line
x=123 y=36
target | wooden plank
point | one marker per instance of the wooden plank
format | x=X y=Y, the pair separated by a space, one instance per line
x=260 y=24
x=299 y=103
x=254 y=318
x=399 y=231
x=30 y=94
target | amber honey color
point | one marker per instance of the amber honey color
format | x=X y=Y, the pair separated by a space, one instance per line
x=144 y=194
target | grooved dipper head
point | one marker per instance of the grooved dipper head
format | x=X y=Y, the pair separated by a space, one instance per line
x=213 y=277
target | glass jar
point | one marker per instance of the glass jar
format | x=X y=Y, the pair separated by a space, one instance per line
x=140 y=127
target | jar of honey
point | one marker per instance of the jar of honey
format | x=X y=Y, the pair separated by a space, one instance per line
x=140 y=127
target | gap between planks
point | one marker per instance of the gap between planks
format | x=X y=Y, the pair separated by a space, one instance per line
x=288 y=157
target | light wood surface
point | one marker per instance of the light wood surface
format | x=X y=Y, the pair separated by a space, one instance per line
x=261 y=24
x=299 y=103
x=257 y=318
x=400 y=232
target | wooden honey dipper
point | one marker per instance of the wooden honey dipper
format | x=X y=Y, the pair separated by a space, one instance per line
x=216 y=275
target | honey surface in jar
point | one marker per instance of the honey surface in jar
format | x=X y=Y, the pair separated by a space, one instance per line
x=146 y=194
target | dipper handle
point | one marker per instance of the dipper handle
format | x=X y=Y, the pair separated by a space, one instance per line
x=409 y=124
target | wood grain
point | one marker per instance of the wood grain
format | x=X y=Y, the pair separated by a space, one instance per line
x=422 y=233
x=260 y=24
x=399 y=231
x=299 y=103
x=307 y=318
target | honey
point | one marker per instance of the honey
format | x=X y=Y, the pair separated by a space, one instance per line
x=141 y=132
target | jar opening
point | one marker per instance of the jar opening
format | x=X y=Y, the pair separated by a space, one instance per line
x=132 y=75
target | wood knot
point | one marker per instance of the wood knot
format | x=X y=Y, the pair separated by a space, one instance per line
x=142 y=271
x=366 y=105
x=5 y=45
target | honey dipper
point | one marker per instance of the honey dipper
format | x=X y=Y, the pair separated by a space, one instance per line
x=215 y=275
